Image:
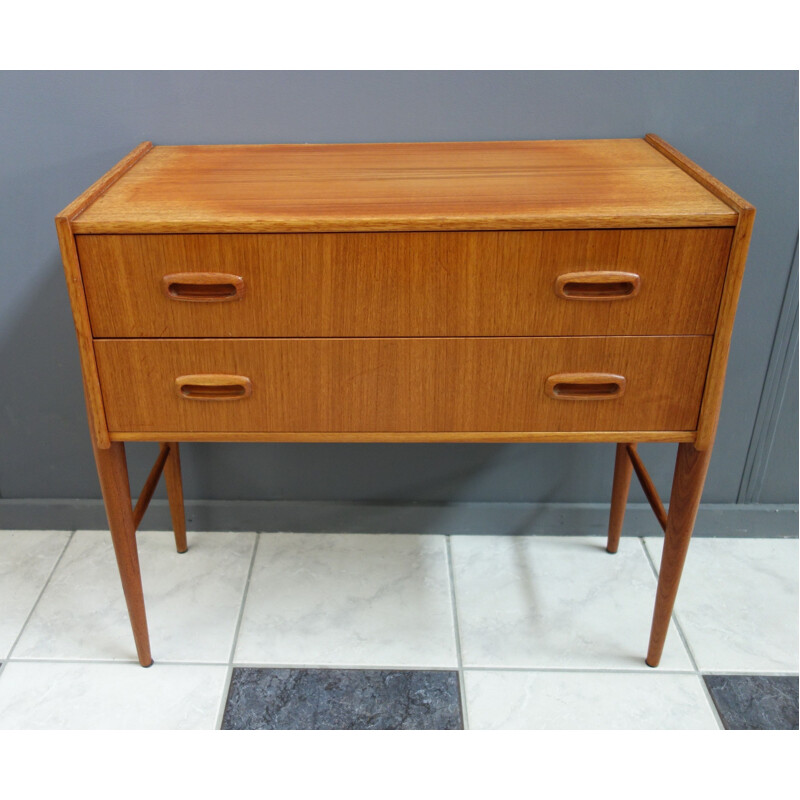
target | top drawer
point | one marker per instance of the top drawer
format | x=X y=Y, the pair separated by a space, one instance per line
x=493 y=283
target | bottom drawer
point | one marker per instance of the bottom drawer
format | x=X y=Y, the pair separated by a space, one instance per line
x=629 y=383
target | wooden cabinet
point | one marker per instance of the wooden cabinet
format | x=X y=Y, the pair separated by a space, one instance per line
x=489 y=291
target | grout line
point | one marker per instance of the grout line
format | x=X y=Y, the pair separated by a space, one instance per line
x=682 y=635
x=427 y=668
x=365 y=667
x=711 y=702
x=757 y=673
x=121 y=661
x=230 y=664
x=10 y=655
x=462 y=689
x=403 y=667
x=645 y=670
x=227 y=685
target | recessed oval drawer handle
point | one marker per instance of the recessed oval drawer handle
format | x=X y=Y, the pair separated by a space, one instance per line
x=597 y=285
x=585 y=386
x=213 y=387
x=202 y=287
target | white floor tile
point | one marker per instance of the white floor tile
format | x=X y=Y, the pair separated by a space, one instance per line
x=556 y=601
x=348 y=600
x=586 y=701
x=26 y=559
x=737 y=603
x=192 y=599
x=79 y=696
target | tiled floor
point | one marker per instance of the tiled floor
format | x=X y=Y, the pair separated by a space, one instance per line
x=283 y=631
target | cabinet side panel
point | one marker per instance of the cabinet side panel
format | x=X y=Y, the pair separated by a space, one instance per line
x=77 y=295
x=718 y=363
x=80 y=315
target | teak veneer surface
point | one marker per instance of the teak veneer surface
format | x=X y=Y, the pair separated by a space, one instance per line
x=391 y=385
x=442 y=437
x=450 y=291
x=490 y=283
x=609 y=183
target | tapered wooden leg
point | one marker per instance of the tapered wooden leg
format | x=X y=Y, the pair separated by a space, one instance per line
x=113 y=472
x=623 y=469
x=687 y=487
x=172 y=477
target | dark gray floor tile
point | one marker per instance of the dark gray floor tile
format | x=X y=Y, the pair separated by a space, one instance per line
x=342 y=699
x=755 y=702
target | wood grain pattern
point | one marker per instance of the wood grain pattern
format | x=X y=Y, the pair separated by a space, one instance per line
x=609 y=183
x=77 y=298
x=212 y=387
x=498 y=283
x=80 y=314
x=174 y=482
x=493 y=248
x=691 y=466
x=718 y=363
x=585 y=386
x=648 y=487
x=498 y=437
x=202 y=287
x=697 y=173
x=394 y=385
x=597 y=285
x=105 y=182
x=146 y=495
x=623 y=469
x=112 y=470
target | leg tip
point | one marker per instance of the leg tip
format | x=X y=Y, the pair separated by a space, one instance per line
x=148 y=665
x=611 y=550
x=652 y=666
x=185 y=550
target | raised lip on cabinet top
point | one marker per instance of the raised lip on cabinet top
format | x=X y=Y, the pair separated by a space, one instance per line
x=514 y=185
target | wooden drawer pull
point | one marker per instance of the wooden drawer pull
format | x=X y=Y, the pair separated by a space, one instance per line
x=585 y=386
x=202 y=287
x=213 y=387
x=597 y=285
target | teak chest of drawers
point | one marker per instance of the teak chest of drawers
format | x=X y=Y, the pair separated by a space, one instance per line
x=442 y=292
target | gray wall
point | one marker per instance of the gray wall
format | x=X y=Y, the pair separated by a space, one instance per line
x=59 y=131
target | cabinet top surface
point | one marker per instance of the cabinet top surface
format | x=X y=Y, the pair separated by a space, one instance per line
x=609 y=183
